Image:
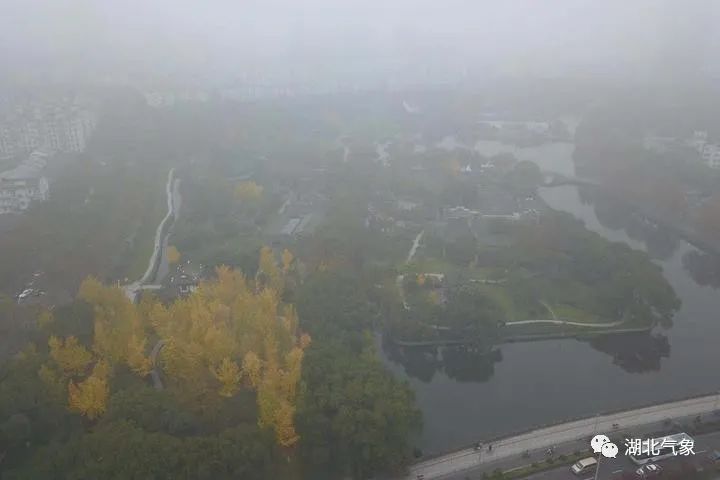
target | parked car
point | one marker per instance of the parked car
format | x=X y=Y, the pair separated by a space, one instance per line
x=714 y=457
x=25 y=294
x=584 y=466
x=649 y=470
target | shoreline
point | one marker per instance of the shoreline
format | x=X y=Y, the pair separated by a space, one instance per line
x=521 y=338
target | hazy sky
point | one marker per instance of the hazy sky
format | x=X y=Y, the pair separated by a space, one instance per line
x=253 y=37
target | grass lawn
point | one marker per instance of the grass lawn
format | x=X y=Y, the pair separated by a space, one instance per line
x=574 y=314
x=487 y=273
x=521 y=296
x=423 y=264
x=431 y=265
x=503 y=298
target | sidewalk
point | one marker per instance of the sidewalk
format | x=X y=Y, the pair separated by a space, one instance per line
x=552 y=436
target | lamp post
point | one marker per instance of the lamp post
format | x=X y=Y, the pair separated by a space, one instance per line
x=597 y=466
x=597 y=418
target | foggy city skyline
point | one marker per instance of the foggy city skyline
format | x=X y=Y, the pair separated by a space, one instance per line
x=281 y=42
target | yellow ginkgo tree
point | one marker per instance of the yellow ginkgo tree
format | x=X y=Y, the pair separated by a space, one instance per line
x=173 y=254
x=230 y=334
x=70 y=356
x=229 y=376
x=90 y=397
x=233 y=333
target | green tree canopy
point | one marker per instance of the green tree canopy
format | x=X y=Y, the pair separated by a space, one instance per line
x=354 y=417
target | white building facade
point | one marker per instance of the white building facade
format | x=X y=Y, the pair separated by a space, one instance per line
x=24 y=184
x=59 y=128
x=711 y=155
x=16 y=194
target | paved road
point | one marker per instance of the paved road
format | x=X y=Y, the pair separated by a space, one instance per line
x=613 y=468
x=566 y=438
x=610 y=469
x=132 y=289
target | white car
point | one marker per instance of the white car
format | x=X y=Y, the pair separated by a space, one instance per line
x=25 y=293
x=583 y=466
x=651 y=470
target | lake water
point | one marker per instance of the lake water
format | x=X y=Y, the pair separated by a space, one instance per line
x=466 y=397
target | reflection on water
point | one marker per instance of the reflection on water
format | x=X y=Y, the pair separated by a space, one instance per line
x=464 y=363
x=613 y=214
x=703 y=268
x=552 y=157
x=635 y=352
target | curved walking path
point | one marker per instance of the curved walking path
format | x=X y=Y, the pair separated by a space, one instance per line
x=399 y=278
x=154 y=373
x=549 y=309
x=415 y=245
x=132 y=289
x=559 y=321
x=566 y=322
x=541 y=438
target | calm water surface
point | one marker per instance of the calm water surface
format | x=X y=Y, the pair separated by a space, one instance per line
x=466 y=397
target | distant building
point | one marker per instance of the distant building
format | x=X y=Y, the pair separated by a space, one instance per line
x=529 y=125
x=410 y=108
x=461 y=212
x=16 y=194
x=184 y=280
x=159 y=99
x=7 y=143
x=658 y=143
x=186 y=284
x=406 y=205
x=24 y=184
x=61 y=127
x=511 y=216
x=698 y=140
x=711 y=155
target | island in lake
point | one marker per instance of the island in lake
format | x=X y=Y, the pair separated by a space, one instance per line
x=485 y=279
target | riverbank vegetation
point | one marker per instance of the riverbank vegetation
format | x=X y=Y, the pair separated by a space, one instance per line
x=670 y=183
